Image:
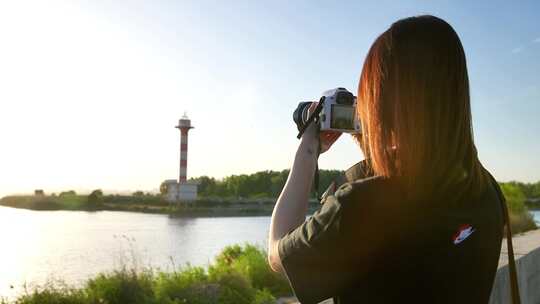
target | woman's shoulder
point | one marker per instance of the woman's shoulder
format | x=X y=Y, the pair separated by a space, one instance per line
x=359 y=181
x=369 y=188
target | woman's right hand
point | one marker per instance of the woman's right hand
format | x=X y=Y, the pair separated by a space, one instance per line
x=324 y=139
x=327 y=139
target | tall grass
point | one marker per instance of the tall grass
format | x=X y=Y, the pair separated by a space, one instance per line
x=239 y=275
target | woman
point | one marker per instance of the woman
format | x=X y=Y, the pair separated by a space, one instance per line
x=423 y=223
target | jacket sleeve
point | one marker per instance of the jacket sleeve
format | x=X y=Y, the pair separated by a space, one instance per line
x=313 y=255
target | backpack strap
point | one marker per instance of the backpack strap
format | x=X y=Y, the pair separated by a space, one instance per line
x=514 y=287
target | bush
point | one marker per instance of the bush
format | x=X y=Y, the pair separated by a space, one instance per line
x=515 y=199
x=189 y=285
x=123 y=286
x=251 y=262
x=520 y=218
x=234 y=288
x=264 y=297
x=522 y=222
x=95 y=199
x=50 y=294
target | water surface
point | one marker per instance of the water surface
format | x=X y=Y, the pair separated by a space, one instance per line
x=40 y=245
x=536 y=215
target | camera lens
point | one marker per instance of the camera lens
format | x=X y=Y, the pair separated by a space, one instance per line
x=300 y=115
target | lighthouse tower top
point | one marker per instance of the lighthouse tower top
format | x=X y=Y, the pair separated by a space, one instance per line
x=184 y=123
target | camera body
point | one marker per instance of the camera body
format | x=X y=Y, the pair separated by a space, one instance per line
x=339 y=112
x=336 y=112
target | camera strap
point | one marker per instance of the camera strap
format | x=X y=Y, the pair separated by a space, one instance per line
x=313 y=117
x=316 y=181
x=514 y=287
x=512 y=272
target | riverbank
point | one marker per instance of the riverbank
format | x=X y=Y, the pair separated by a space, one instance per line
x=232 y=210
x=239 y=274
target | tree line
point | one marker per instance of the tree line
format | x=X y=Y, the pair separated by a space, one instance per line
x=268 y=184
x=528 y=190
x=263 y=184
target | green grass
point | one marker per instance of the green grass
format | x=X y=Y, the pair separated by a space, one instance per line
x=239 y=275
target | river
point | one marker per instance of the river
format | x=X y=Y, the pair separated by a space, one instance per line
x=38 y=246
x=45 y=245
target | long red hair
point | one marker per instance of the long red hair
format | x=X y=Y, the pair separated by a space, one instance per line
x=414 y=107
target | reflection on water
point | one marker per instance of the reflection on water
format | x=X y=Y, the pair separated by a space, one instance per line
x=73 y=246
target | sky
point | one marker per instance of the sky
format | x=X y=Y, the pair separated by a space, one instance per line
x=90 y=91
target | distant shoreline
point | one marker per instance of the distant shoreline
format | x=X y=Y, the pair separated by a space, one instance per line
x=203 y=207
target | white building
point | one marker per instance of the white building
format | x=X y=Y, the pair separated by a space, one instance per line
x=179 y=193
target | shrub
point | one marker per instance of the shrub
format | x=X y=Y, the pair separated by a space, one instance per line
x=190 y=285
x=122 y=286
x=515 y=199
x=95 y=199
x=520 y=218
x=50 y=294
x=522 y=222
x=251 y=262
x=234 y=288
x=264 y=297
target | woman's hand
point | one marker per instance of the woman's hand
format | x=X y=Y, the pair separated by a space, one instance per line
x=324 y=139
x=327 y=139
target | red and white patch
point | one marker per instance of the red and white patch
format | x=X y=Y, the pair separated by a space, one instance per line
x=462 y=234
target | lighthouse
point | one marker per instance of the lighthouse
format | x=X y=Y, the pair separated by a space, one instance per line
x=184 y=124
x=181 y=191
